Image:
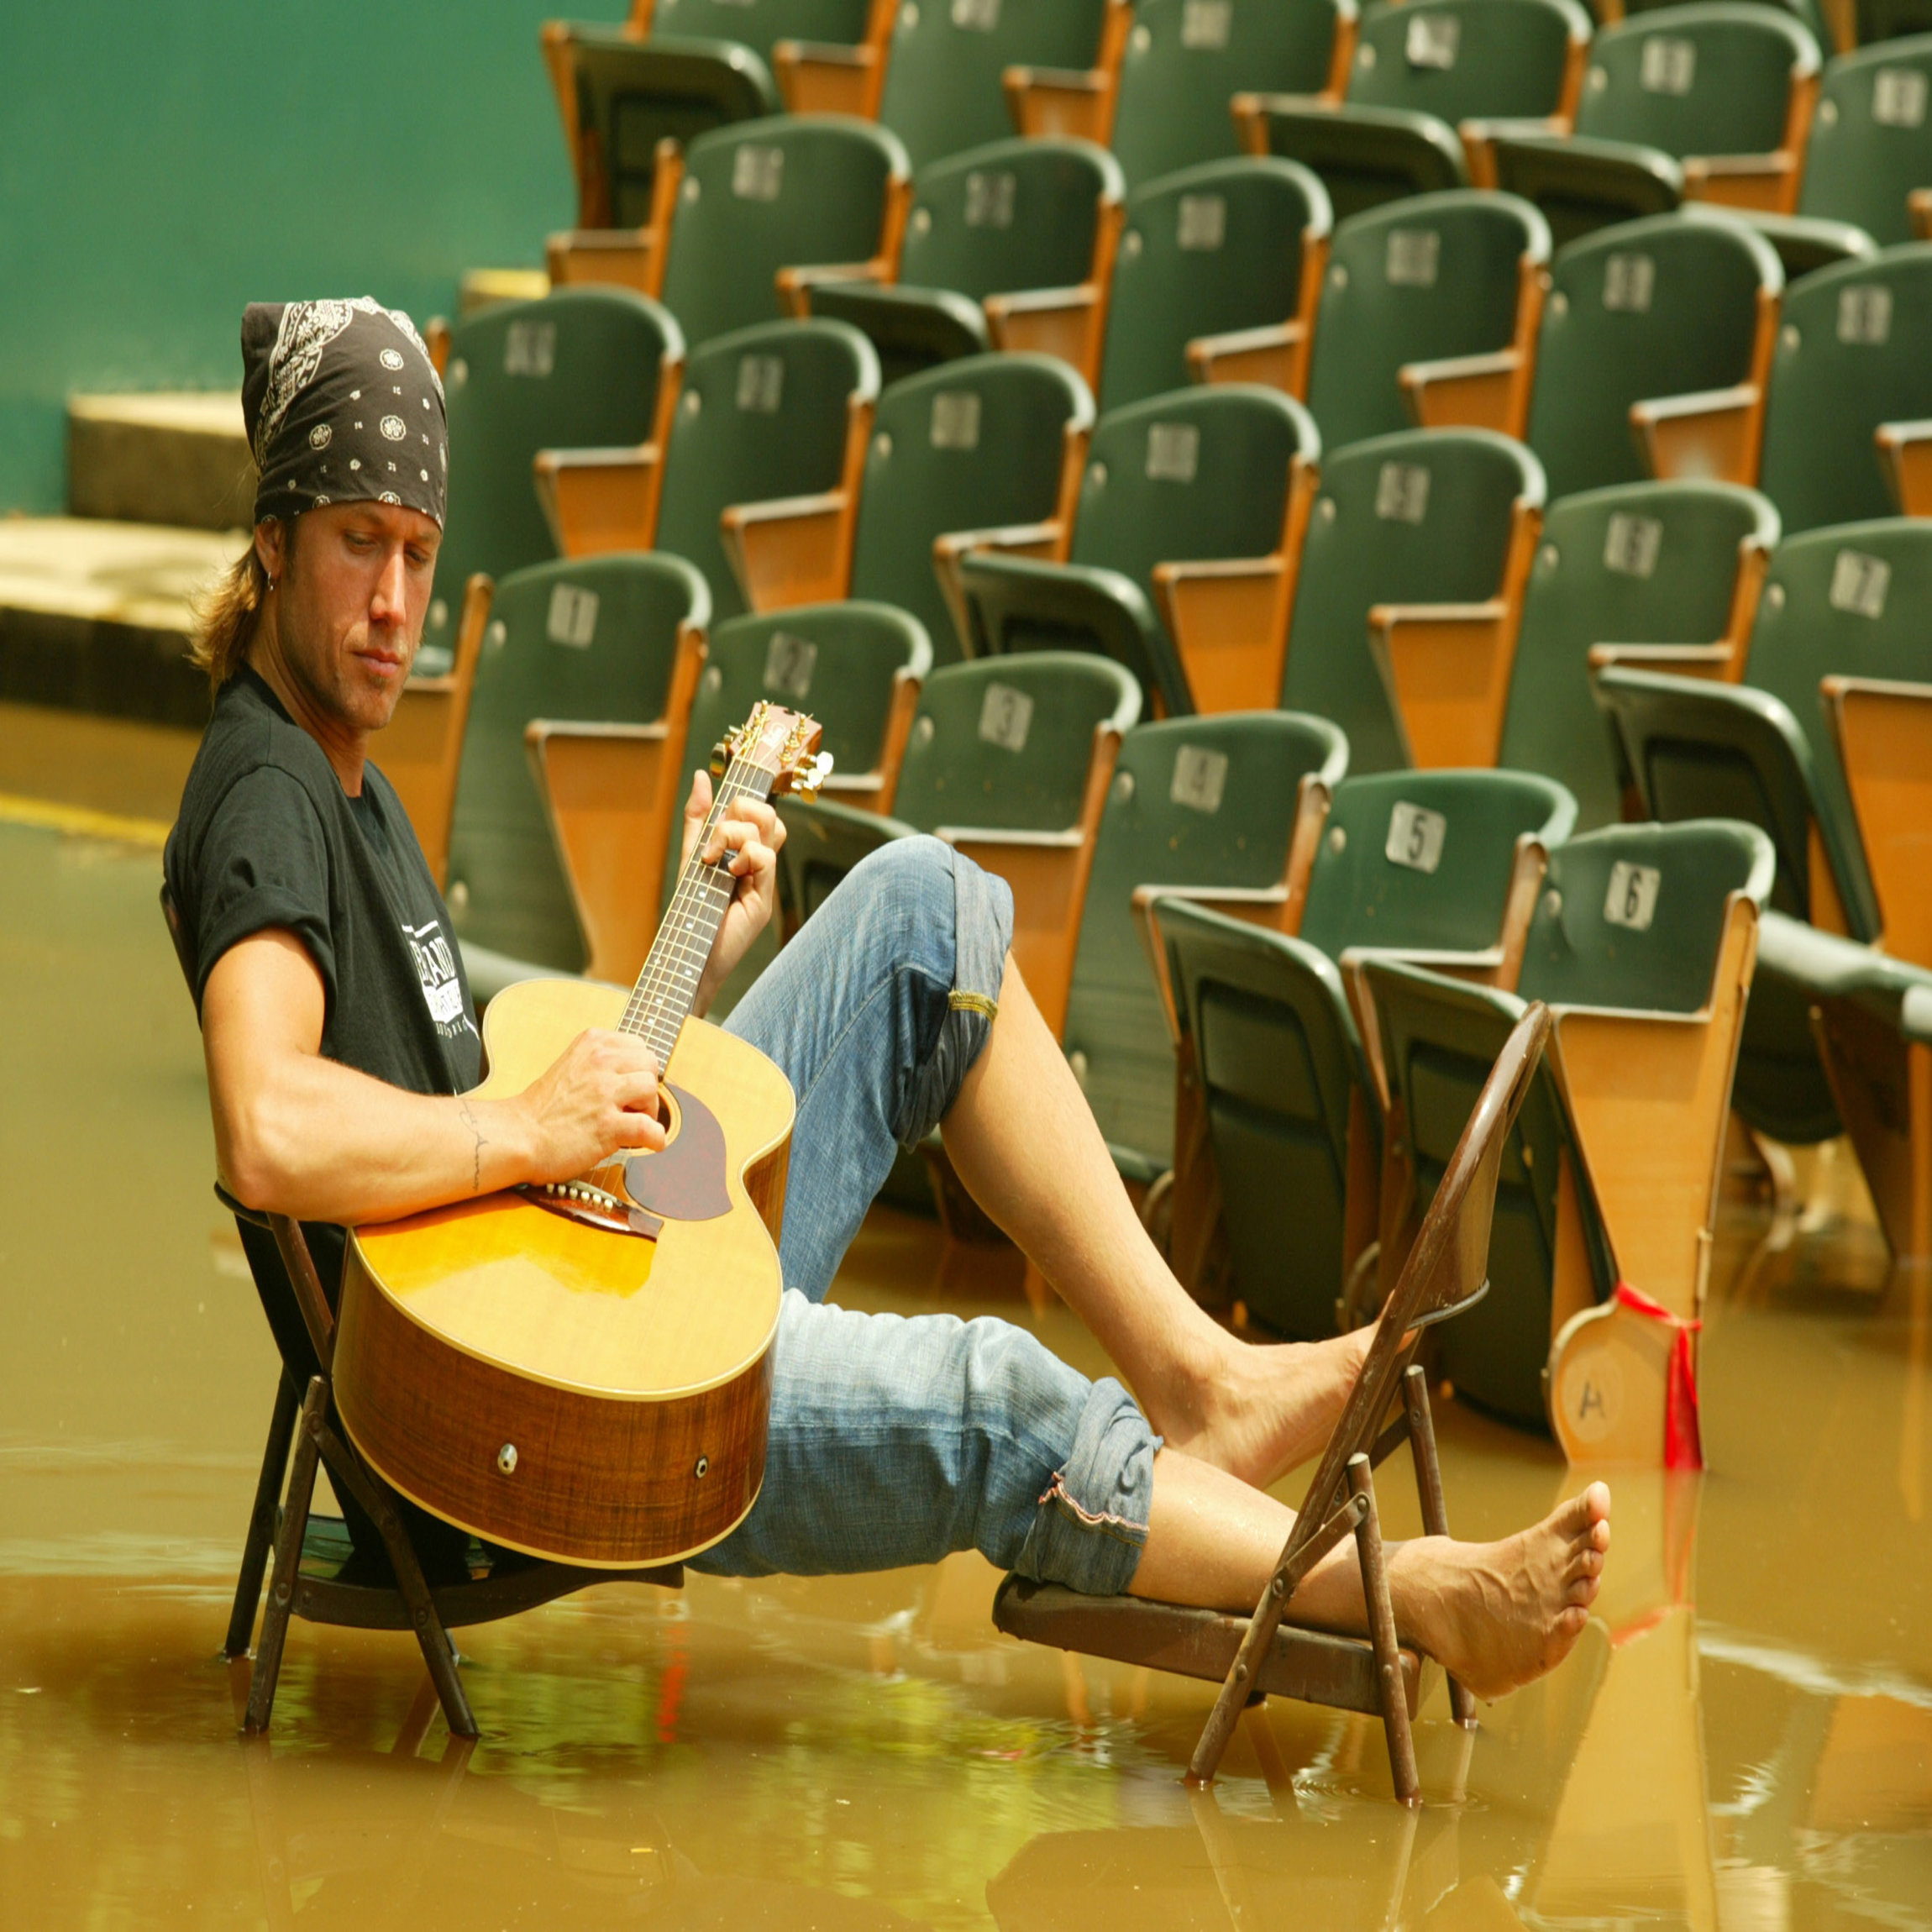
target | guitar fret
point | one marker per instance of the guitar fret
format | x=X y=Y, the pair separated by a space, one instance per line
x=662 y=999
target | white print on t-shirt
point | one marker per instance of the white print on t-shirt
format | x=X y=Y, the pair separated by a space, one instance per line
x=436 y=968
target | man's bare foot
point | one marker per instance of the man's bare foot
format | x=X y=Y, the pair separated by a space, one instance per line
x=1497 y=1616
x=1261 y=1410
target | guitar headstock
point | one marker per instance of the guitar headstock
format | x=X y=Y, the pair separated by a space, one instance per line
x=780 y=742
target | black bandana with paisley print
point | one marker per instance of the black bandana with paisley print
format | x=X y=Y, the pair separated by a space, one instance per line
x=342 y=405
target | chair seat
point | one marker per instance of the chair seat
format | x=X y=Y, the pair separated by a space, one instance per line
x=510 y=1583
x=1314 y=1666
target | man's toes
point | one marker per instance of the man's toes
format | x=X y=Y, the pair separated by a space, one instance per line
x=1597 y=1496
x=1570 y=1622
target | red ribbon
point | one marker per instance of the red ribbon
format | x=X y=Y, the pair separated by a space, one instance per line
x=1683 y=1440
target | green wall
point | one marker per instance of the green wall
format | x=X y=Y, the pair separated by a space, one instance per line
x=163 y=162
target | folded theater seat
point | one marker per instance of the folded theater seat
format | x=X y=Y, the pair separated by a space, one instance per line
x=1712 y=101
x=1426 y=83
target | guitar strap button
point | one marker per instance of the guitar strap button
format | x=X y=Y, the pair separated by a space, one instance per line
x=506 y=1459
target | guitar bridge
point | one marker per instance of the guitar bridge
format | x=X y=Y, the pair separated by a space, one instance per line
x=594 y=1206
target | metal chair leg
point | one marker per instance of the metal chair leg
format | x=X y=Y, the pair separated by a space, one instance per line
x=287 y=1557
x=1435 y=1502
x=439 y=1653
x=1382 y=1634
x=261 y=1520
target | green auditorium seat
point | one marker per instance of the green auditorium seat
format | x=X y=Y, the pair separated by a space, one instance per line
x=987 y=450
x=1011 y=761
x=1217 y=276
x=1666 y=575
x=800 y=192
x=1403 y=527
x=763 y=25
x=781 y=410
x=1854 y=352
x=1280 y=1114
x=857 y=669
x=1809 y=12
x=1185 y=62
x=1449 y=284
x=1025 y=230
x=582 y=368
x=1419 y=72
x=1871 y=139
x=620 y=97
x=1641 y=944
x=1847 y=601
x=946 y=70
x=540 y=879
x=1205 y=808
x=1639 y=316
x=1178 y=489
x=1711 y=101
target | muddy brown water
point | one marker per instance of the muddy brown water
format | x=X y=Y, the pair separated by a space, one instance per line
x=1742 y=1742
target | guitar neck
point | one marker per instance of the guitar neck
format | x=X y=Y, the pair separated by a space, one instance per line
x=661 y=1001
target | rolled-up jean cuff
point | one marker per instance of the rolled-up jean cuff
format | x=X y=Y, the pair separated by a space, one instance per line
x=1091 y=1523
x=982 y=935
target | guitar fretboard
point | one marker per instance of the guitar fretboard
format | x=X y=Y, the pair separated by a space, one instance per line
x=661 y=1001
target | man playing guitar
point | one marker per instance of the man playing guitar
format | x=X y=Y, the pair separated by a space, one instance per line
x=337 y=1076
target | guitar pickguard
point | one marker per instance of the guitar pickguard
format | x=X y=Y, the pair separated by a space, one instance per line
x=683 y=1181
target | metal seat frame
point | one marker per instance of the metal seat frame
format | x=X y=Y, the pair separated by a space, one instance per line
x=1443 y=1276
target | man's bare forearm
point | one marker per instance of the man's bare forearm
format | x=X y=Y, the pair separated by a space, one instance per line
x=325 y=1143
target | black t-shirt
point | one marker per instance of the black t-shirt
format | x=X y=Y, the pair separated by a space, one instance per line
x=267 y=836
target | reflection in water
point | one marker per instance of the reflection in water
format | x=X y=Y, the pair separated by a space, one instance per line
x=1742 y=1742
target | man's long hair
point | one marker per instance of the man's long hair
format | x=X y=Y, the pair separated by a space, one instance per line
x=226 y=612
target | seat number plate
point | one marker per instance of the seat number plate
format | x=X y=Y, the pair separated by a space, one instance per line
x=1415 y=835
x=1632 y=899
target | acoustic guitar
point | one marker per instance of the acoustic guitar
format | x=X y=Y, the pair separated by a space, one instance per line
x=583 y=1370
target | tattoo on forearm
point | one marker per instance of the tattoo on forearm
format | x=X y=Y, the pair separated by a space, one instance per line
x=476 y=1172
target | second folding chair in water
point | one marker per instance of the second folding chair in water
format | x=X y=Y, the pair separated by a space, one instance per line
x=1641 y=945
x=1419 y=72
x=1183 y=548
x=1279 y=1124
x=570 y=763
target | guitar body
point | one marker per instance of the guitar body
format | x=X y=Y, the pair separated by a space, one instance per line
x=583 y=1395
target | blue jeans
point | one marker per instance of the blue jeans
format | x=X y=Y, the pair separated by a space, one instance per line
x=897 y=1440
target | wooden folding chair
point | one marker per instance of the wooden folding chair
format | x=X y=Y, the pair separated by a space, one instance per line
x=1254 y=1656
x=311 y=1551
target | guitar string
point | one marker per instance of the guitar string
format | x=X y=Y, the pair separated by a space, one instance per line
x=673 y=970
x=661 y=973
x=656 y=978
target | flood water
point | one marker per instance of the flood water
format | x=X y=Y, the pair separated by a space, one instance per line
x=1743 y=1740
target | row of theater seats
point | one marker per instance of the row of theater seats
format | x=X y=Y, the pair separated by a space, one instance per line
x=1169 y=83
x=1302 y=734
x=1337 y=957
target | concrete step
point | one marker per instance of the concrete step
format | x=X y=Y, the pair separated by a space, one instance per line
x=95 y=616
x=180 y=459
